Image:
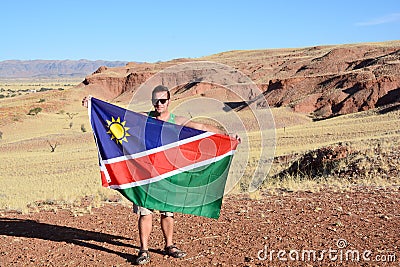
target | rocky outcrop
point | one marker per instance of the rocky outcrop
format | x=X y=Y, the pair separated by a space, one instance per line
x=323 y=81
x=333 y=85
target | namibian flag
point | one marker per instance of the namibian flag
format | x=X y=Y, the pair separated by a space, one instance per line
x=160 y=165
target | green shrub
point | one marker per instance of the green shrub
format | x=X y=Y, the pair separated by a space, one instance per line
x=34 y=111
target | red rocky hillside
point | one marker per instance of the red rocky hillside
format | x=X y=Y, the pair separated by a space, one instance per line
x=322 y=80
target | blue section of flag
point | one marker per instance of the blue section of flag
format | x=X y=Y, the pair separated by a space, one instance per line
x=145 y=132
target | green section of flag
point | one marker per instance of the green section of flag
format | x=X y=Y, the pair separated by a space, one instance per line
x=198 y=191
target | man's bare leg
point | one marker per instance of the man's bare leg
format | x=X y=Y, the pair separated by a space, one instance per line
x=167 y=226
x=145 y=227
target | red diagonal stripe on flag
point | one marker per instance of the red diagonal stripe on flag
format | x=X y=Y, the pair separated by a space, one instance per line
x=159 y=163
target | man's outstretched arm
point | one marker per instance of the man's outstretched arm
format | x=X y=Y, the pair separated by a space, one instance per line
x=204 y=127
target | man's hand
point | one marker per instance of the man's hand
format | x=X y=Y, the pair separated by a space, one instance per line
x=235 y=136
x=85 y=101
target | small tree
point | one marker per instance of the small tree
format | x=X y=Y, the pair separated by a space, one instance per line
x=83 y=129
x=71 y=115
x=53 y=147
x=70 y=125
x=1 y=135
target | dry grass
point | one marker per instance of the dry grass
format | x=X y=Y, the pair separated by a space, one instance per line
x=30 y=171
x=34 y=178
x=21 y=84
x=373 y=137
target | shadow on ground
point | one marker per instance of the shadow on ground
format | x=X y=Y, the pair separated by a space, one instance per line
x=56 y=233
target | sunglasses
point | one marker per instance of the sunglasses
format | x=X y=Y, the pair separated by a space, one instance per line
x=162 y=101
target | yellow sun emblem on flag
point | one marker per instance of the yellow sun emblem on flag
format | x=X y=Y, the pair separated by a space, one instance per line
x=117 y=130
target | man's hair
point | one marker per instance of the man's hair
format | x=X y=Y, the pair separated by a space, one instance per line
x=160 y=88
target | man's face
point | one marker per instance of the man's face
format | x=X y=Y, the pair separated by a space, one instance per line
x=160 y=102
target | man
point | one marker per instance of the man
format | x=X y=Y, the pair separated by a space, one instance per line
x=161 y=101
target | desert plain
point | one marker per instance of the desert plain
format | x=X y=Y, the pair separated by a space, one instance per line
x=330 y=197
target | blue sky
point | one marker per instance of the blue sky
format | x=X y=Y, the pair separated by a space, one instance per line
x=162 y=30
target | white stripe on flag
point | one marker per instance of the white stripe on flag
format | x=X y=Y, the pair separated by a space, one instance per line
x=158 y=149
x=171 y=173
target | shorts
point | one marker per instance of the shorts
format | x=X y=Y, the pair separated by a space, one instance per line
x=144 y=211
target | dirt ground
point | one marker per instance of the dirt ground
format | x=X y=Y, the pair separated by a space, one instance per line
x=275 y=230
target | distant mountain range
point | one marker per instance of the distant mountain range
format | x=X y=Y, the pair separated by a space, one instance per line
x=53 y=68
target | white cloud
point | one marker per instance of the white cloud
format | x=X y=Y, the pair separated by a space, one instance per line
x=382 y=20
